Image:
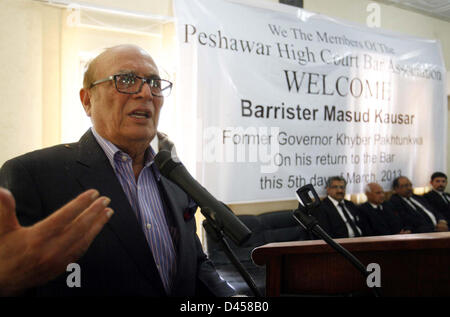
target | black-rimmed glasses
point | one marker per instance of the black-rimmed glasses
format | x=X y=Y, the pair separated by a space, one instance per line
x=132 y=84
x=338 y=187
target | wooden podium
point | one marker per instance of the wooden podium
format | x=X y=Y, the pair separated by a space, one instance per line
x=410 y=265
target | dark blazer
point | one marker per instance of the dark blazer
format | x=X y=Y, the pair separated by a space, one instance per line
x=411 y=219
x=330 y=220
x=438 y=203
x=381 y=222
x=119 y=260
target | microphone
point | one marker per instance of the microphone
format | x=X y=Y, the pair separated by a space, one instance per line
x=211 y=208
x=309 y=200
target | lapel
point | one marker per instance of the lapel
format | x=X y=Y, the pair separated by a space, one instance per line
x=333 y=213
x=418 y=211
x=373 y=216
x=337 y=218
x=176 y=202
x=373 y=209
x=444 y=198
x=404 y=204
x=93 y=170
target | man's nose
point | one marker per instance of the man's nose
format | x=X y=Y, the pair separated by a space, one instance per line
x=145 y=92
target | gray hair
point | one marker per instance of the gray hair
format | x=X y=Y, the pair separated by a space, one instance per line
x=333 y=179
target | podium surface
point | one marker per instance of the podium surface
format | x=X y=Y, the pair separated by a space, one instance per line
x=410 y=265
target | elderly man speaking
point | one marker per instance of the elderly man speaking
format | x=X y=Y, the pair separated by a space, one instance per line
x=150 y=246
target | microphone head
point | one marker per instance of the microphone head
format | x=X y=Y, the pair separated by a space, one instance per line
x=170 y=167
x=166 y=162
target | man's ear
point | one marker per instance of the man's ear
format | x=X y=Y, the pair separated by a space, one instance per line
x=85 y=97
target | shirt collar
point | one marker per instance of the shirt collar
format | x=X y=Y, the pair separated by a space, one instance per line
x=334 y=201
x=406 y=198
x=375 y=206
x=113 y=153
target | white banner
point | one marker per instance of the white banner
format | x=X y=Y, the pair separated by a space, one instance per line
x=283 y=97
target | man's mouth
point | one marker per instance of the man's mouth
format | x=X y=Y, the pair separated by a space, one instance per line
x=140 y=114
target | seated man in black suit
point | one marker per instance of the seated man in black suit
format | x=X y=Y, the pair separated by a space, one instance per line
x=415 y=212
x=437 y=197
x=340 y=218
x=381 y=218
x=150 y=246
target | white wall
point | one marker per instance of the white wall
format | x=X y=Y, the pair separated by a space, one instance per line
x=21 y=87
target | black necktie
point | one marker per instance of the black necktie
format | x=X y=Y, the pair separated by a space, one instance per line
x=445 y=198
x=418 y=210
x=349 y=220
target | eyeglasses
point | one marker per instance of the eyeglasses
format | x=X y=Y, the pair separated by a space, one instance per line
x=132 y=84
x=338 y=187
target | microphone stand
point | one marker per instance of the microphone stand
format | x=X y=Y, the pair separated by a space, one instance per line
x=214 y=227
x=303 y=216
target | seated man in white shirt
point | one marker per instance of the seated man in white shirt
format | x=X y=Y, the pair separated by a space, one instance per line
x=437 y=197
x=340 y=218
x=415 y=211
x=382 y=218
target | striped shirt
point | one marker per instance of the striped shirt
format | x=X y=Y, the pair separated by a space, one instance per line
x=145 y=199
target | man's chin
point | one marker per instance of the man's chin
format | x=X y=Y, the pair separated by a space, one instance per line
x=142 y=135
